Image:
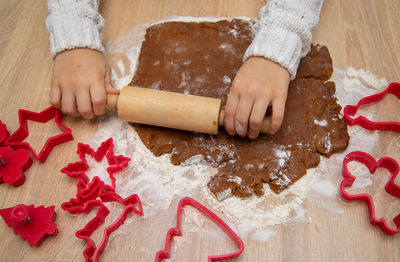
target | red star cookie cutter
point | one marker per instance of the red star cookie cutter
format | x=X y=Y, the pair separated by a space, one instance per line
x=16 y=140
x=106 y=149
x=176 y=231
x=351 y=110
x=3 y=133
x=348 y=179
x=86 y=200
x=32 y=223
x=13 y=165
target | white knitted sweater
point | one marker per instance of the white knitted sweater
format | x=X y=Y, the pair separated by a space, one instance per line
x=284 y=29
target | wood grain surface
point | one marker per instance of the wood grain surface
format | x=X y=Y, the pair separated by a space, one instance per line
x=361 y=33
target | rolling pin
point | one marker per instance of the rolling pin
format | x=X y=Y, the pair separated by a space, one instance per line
x=169 y=109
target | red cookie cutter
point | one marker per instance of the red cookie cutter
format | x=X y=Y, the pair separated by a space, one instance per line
x=32 y=223
x=3 y=133
x=13 y=165
x=176 y=231
x=106 y=149
x=348 y=179
x=86 y=201
x=351 y=110
x=16 y=140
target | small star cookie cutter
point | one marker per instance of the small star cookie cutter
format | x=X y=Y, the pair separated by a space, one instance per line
x=350 y=110
x=106 y=149
x=16 y=140
x=13 y=165
x=348 y=179
x=176 y=231
x=86 y=200
x=32 y=223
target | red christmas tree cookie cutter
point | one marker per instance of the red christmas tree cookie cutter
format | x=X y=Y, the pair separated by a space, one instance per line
x=32 y=223
x=87 y=200
x=351 y=110
x=348 y=179
x=176 y=231
x=13 y=165
x=106 y=149
x=16 y=140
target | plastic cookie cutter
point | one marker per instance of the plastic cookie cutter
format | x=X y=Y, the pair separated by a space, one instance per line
x=3 y=133
x=32 y=223
x=348 y=179
x=106 y=149
x=86 y=201
x=13 y=165
x=16 y=140
x=176 y=231
x=351 y=110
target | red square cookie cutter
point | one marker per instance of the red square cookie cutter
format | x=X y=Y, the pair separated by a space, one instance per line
x=16 y=140
x=348 y=179
x=176 y=231
x=350 y=110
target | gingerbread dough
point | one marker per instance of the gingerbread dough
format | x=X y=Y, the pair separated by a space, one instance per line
x=202 y=59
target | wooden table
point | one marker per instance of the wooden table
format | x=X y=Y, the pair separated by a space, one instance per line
x=361 y=33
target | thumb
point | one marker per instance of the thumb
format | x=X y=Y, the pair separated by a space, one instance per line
x=107 y=80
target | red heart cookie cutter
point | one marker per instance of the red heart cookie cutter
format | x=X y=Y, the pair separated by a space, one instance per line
x=348 y=179
x=351 y=110
x=176 y=231
x=16 y=140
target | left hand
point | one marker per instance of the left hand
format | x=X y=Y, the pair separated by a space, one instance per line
x=258 y=84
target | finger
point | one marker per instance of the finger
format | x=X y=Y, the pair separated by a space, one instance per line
x=55 y=96
x=278 y=112
x=230 y=110
x=98 y=96
x=242 y=115
x=84 y=103
x=256 y=117
x=68 y=103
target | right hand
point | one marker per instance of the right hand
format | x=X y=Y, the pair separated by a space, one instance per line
x=81 y=79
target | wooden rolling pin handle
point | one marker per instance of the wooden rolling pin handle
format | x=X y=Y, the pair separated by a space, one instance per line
x=112 y=102
x=264 y=125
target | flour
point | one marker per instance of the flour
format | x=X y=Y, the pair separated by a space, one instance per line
x=158 y=183
x=322 y=122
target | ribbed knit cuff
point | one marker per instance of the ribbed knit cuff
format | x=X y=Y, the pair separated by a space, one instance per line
x=278 y=45
x=84 y=33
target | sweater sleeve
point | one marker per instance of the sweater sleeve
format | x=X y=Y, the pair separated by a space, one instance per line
x=74 y=23
x=284 y=32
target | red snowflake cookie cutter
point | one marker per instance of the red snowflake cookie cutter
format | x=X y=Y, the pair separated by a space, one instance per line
x=13 y=165
x=16 y=140
x=106 y=149
x=32 y=223
x=348 y=179
x=87 y=200
x=176 y=231
x=351 y=110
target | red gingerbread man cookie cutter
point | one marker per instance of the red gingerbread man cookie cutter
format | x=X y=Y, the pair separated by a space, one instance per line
x=350 y=110
x=348 y=179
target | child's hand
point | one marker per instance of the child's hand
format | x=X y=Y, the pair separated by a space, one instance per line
x=258 y=83
x=79 y=83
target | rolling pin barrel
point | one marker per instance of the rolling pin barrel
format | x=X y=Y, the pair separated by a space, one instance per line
x=170 y=109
